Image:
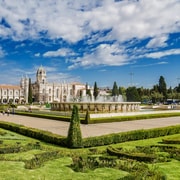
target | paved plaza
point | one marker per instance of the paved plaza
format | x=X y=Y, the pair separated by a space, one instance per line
x=61 y=128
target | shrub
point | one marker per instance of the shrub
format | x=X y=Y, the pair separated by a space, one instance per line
x=74 y=139
x=87 y=118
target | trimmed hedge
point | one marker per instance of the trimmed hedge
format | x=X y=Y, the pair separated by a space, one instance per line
x=139 y=157
x=46 y=116
x=129 y=118
x=171 y=141
x=91 y=141
x=88 y=120
x=130 y=136
x=34 y=133
x=39 y=159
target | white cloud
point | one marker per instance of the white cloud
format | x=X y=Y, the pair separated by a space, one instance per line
x=60 y=52
x=127 y=19
x=2 y=52
x=37 y=55
x=75 y=20
x=148 y=65
x=163 y=53
x=157 y=42
x=104 y=54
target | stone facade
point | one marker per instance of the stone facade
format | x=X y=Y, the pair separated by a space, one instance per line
x=43 y=91
x=11 y=94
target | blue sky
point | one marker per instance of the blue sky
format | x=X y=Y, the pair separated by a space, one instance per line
x=131 y=42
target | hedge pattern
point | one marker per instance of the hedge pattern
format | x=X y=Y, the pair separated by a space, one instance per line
x=35 y=133
x=92 y=141
x=130 y=136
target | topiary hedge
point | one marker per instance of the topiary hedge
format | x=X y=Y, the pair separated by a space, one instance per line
x=74 y=139
x=130 y=136
x=35 y=133
x=136 y=156
x=46 y=116
x=129 y=118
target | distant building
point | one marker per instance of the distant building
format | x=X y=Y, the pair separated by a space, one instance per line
x=11 y=94
x=43 y=91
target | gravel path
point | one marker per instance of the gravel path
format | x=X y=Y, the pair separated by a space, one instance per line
x=61 y=128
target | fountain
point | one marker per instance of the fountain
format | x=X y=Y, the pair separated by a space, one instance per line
x=103 y=104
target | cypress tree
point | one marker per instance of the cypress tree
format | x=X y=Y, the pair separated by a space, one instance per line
x=74 y=139
x=162 y=87
x=30 y=100
x=115 y=90
x=95 y=93
x=87 y=117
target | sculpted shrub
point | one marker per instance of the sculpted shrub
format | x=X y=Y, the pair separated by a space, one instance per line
x=74 y=139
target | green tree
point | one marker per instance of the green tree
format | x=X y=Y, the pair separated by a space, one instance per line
x=115 y=90
x=30 y=100
x=122 y=91
x=74 y=139
x=156 y=96
x=162 y=87
x=132 y=94
x=96 y=91
x=87 y=117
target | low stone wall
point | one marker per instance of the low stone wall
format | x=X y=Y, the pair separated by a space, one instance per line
x=97 y=107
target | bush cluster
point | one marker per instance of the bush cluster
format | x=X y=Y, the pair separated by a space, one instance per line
x=136 y=169
x=18 y=148
x=39 y=159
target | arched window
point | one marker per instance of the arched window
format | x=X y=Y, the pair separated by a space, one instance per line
x=49 y=91
x=57 y=93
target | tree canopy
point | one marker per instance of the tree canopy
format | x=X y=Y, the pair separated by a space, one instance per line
x=115 y=90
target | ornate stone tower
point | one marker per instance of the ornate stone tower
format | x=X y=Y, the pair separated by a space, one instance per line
x=41 y=76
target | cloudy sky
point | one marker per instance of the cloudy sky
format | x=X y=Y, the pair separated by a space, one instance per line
x=132 y=42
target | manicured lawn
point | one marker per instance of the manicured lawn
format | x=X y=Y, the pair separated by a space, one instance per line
x=173 y=169
x=13 y=164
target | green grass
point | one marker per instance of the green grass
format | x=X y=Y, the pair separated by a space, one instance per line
x=13 y=166
x=54 y=170
x=173 y=169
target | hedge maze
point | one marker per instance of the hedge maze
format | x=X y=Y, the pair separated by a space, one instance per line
x=139 y=161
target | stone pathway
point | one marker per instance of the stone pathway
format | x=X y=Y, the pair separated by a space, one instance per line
x=61 y=128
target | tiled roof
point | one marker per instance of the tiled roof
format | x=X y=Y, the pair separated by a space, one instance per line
x=7 y=86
